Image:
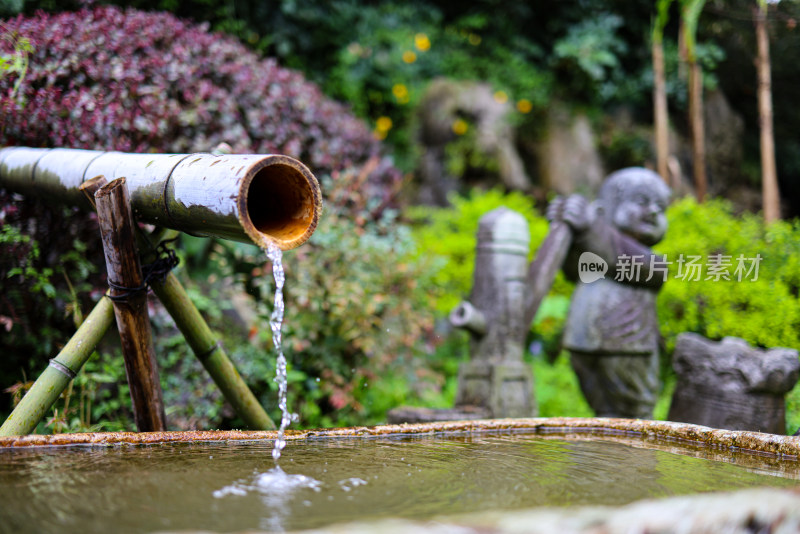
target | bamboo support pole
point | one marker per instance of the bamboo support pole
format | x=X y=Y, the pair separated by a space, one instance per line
x=210 y=353
x=130 y=304
x=62 y=369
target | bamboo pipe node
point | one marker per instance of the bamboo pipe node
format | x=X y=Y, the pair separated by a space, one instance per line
x=63 y=369
x=208 y=352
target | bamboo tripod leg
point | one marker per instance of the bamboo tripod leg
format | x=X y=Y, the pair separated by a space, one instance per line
x=62 y=369
x=129 y=293
x=210 y=353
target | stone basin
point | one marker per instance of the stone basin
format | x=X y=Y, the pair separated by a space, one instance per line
x=505 y=475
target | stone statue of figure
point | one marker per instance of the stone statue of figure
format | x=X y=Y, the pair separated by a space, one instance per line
x=612 y=329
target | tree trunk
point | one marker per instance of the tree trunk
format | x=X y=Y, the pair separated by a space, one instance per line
x=660 y=111
x=698 y=128
x=769 y=176
x=690 y=15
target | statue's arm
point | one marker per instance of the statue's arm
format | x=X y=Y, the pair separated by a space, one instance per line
x=592 y=233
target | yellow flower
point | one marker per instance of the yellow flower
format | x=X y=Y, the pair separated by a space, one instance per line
x=460 y=127
x=422 y=42
x=524 y=106
x=383 y=124
x=474 y=39
x=500 y=97
x=409 y=56
x=399 y=91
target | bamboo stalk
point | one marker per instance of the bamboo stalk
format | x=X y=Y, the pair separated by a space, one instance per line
x=698 y=130
x=245 y=197
x=57 y=376
x=690 y=15
x=130 y=304
x=769 y=174
x=660 y=111
x=210 y=353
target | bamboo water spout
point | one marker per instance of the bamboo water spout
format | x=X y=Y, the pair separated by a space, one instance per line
x=249 y=198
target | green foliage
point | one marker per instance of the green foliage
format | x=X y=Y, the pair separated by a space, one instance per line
x=765 y=311
x=690 y=15
x=26 y=271
x=793 y=410
x=36 y=268
x=11 y=7
x=592 y=49
x=660 y=20
x=449 y=234
x=398 y=48
x=557 y=390
x=622 y=147
x=464 y=154
x=15 y=62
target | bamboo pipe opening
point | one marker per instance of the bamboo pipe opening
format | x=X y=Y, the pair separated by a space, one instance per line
x=281 y=203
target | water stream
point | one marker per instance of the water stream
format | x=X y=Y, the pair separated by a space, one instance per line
x=275 y=256
x=275 y=486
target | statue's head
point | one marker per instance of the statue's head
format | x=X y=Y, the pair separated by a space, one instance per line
x=634 y=201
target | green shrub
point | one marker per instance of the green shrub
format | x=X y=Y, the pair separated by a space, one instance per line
x=46 y=284
x=557 y=390
x=765 y=311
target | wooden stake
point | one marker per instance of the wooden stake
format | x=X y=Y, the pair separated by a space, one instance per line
x=129 y=294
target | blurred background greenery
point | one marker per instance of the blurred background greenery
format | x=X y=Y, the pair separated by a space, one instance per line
x=368 y=295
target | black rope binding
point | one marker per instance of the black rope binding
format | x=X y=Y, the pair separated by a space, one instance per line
x=165 y=261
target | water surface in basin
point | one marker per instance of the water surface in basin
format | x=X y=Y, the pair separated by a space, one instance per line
x=230 y=486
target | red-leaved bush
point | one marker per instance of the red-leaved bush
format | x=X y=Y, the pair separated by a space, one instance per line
x=107 y=78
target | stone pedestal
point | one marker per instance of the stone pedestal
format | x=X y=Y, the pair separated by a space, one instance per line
x=504 y=388
x=729 y=384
